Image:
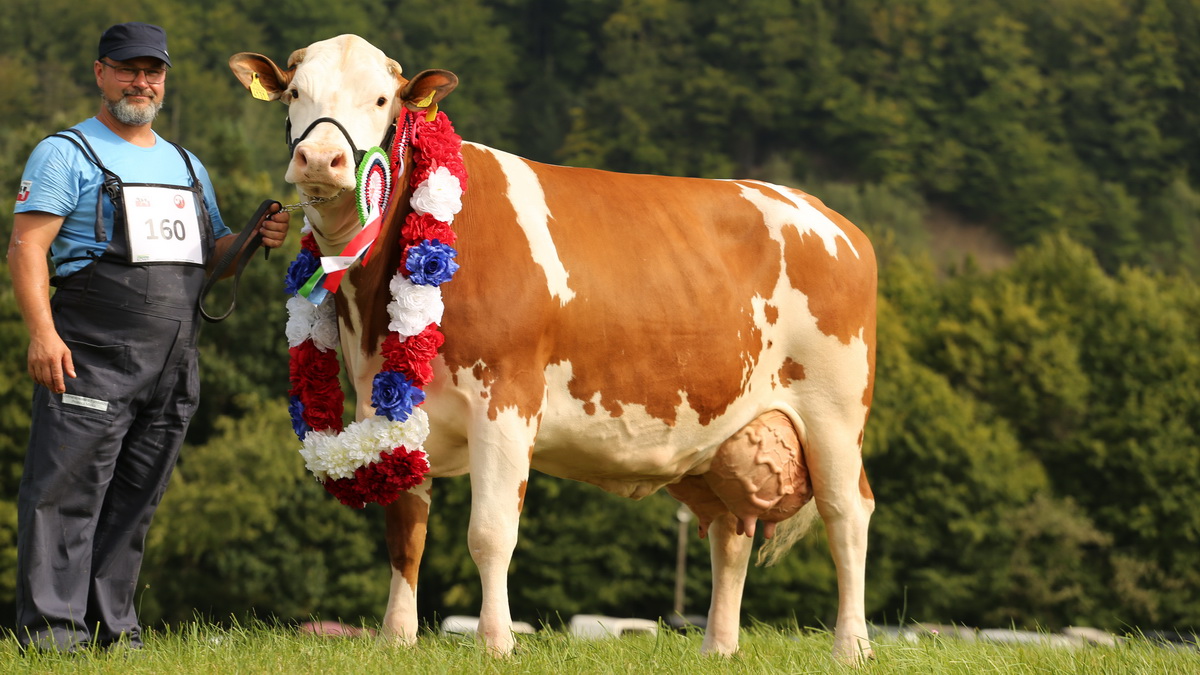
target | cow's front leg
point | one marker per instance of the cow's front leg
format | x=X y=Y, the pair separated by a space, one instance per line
x=730 y=555
x=501 y=451
x=407 y=521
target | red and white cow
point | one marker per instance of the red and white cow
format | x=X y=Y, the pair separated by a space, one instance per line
x=714 y=337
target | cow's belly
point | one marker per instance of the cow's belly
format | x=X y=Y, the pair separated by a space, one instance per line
x=634 y=453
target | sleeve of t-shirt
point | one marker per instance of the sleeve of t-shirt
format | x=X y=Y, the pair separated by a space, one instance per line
x=220 y=229
x=52 y=178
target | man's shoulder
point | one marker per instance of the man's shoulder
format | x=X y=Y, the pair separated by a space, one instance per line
x=65 y=142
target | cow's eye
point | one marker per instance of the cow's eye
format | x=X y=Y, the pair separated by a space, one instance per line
x=381 y=102
x=294 y=93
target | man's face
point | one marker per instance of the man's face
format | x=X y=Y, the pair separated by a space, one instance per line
x=132 y=90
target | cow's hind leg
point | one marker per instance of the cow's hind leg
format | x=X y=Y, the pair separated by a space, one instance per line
x=730 y=556
x=845 y=503
x=500 y=458
x=407 y=521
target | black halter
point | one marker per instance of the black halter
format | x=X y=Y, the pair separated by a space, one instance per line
x=358 y=154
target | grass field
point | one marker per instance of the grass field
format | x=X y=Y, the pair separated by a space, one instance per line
x=202 y=648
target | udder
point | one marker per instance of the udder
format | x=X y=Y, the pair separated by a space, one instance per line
x=759 y=473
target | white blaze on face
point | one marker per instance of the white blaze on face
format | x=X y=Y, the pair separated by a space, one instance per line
x=533 y=215
x=344 y=79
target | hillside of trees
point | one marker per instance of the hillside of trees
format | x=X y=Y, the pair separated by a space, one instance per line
x=1035 y=443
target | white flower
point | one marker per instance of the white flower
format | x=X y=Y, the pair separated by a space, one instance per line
x=330 y=455
x=325 y=326
x=439 y=195
x=413 y=307
x=301 y=314
x=306 y=320
x=410 y=433
x=316 y=450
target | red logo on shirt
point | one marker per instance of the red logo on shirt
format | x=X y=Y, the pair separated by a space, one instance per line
x=23 y=192
x=179 y=203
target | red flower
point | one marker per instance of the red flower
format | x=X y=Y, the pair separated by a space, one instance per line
x=309 y=242
x=323 y=367
x=419 y=227
x=412 y=356
x=325 y=412
x=313 y=375
x=299 y=364
x=440 y=146
x=382 y=481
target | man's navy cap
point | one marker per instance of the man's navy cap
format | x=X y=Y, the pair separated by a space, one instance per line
x=126 y=41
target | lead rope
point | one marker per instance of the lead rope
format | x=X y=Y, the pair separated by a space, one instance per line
x=242 y=252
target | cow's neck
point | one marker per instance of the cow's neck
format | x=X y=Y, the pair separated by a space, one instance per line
x=334 y=225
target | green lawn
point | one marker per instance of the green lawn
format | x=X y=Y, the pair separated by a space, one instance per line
x=202 y=648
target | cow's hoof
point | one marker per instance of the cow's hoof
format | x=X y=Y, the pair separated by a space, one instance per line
x=854 y=653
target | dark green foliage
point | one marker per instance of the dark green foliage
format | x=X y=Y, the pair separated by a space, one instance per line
x=1033 y=441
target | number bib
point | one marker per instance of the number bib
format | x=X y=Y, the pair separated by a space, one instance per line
x=161 y=225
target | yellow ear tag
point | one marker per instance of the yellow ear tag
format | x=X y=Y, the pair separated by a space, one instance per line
x=427 y=100
x=257 y=90
x=431 y=114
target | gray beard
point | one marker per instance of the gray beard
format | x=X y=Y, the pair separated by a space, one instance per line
x=133 y=115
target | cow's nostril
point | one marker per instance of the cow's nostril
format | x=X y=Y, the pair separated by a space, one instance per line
x=338 y=160
x=301 y=158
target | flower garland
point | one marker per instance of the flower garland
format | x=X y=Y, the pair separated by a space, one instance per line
x=376 y=458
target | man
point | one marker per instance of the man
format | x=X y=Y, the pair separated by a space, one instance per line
x=130 y=222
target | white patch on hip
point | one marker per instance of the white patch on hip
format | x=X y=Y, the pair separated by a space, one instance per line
x=805 y=216
x=533 y=215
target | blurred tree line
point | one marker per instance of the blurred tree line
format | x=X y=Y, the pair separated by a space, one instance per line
x=1034 y=443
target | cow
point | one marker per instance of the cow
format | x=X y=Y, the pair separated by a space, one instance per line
x=715 y=338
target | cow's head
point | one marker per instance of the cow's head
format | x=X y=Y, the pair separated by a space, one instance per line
x=343 y=95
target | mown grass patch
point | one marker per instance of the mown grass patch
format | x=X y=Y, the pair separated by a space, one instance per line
x=260 y=648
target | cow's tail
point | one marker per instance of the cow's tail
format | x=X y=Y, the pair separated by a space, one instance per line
x=787 y=533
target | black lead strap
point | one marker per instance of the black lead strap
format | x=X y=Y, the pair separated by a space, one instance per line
x=358 y=154
x=242 y=253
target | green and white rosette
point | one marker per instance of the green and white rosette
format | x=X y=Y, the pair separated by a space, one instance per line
x=373 y=186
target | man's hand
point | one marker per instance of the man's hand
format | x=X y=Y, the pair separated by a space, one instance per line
x=274 y=227
x=49 y=358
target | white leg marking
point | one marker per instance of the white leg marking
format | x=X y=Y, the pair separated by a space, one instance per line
x=836 y=466
x=730 y=555
x=400 y=617
x=499 y=465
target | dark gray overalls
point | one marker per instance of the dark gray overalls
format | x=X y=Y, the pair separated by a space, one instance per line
x=101 y=454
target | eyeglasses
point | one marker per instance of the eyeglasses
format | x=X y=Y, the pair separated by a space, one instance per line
x=127 y=74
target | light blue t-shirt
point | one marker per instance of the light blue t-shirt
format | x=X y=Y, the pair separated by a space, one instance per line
x=59 y=179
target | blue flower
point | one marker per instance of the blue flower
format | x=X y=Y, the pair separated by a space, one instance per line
x=296 y=410
x=431 y=263
x=394 y=395
x=300 y=270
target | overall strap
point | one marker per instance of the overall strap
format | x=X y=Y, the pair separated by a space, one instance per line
x=112 y=183
x=187 y=161
x=206 y=230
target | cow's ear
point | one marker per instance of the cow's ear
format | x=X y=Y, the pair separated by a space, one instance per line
x=427 y=88
x=260 y=75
